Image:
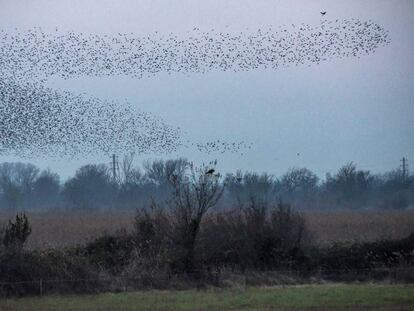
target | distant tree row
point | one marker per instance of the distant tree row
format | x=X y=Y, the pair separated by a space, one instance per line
x=24 y=186
x=349 y=188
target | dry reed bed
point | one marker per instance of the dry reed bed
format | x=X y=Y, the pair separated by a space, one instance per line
x=60 y=229
x=359 y=226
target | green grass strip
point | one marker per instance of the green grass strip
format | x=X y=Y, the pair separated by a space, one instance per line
x=311 y=297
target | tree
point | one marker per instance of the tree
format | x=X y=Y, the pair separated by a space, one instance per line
x=46 y=190
x=194 y=195
x=90 y=188
x=350 y=186
x=395 y=190
x=134 y=189
x=247 y=187
x=16 y=184
x=160 y=173
x=299 y=187
x=172 y=231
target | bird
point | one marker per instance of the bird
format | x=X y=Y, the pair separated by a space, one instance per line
x=210 y=171
x=323 y=13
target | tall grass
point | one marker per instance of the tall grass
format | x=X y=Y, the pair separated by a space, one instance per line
x=62 y=229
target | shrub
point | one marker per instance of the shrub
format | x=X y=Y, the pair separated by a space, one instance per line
x=369 y=255
x=109 y=252
x=17 y=232
x=257 y=236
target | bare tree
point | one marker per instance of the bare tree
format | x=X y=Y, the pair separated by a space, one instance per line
x=299 y=186
x=127 y=169
x=349 y=187
x=46 y=190
x=134 y=190
x=194 y=195
x=161 y=172
x=244 y=187
x=16 y=184
x=91 y=187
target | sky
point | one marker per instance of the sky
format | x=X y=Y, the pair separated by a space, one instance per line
x=319 y=117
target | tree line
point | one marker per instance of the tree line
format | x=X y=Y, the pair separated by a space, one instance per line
x=25 y=186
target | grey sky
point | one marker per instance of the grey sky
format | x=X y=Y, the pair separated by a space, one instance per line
x=355 y=109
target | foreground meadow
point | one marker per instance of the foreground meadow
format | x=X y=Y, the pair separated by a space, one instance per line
x=315 y=297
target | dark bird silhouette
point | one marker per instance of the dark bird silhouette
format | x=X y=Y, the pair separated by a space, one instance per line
x=210 y=171
x=323 y=13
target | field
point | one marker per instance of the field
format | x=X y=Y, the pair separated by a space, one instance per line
x=321 y=297
x=68 y=229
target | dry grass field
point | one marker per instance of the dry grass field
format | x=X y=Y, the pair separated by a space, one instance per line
x=359 y=226
x=59 y=229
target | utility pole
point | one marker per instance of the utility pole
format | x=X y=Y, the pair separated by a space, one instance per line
x=404 y=167
x=114 y=167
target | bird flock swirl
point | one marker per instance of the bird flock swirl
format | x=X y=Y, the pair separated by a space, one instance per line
x=37 y=120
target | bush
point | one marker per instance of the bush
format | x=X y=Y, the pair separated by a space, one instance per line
x=366 y=256
x=22 y=270
x=17 y=232
x=109 y=252
x=257 y=236
x=63 y=271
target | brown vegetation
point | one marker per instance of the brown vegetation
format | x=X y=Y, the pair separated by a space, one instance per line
x=164 y=249
x=60 y=229
x=359 y=226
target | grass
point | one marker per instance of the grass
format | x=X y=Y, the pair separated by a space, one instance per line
x=318 y=297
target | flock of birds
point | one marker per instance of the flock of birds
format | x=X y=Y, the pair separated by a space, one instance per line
x=221 y=146
x=38 y=120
